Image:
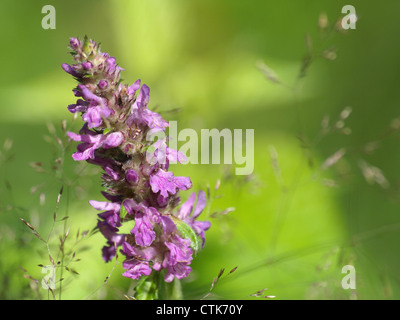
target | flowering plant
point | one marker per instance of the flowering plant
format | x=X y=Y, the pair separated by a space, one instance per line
x=139 y=188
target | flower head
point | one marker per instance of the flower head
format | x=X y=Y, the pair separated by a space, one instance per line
x=140 y=191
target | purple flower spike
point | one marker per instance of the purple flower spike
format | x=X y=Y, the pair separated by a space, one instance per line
x=140 y=191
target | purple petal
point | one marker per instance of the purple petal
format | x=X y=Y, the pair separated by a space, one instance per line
x=112 y=173
x=113 y=218
x=102 y=84
x=89 y=95
x=87 y=65
x=153 y=214
x=109 y=252
x=179 y=270
x=168 y=225
x=87 y=131
x=136 y=269
x=134 y=87
x=162 y=201
x=131 y=176
x=110 y=65
x=187 y=207
x=130 y=205
x=165 y=182
x=113 y=140
x=104 y=205
x=175 y=156
x=199 y=227
x=146 y=253
x=110 y=197
x=144 y=116
x=128 y=250
x=153 y=119
x=85 y=151
x=80 y=106
x=143 y=98
x=179 y=250
x=143 y=231
x=85 y=137
x=110 y=233
x=200 y=205
x=183 y=183
x=93 y=117
x=74 y=43
x=69 y=69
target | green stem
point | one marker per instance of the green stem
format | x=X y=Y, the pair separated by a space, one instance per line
x=153 y=287
x=147 y=287
x=171 y=291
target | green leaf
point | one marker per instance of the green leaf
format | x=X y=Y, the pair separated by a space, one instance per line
x=147 y=287
x=149 y=148
x=86 y=44
x=188 y=233
x=106 y=130
x=123 y=212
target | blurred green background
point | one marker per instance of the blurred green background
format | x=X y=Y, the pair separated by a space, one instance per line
x=299 y=218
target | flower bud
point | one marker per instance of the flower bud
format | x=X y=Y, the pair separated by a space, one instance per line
x=131 y=176
x=103 y=84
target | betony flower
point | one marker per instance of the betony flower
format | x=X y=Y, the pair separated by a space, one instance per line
x=140 y=115
x=92 y=141
x=165 y=183
x=114 y=239
x=111 y=215
x=139 y=188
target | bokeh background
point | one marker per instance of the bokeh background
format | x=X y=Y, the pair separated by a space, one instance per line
x=325 y=188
